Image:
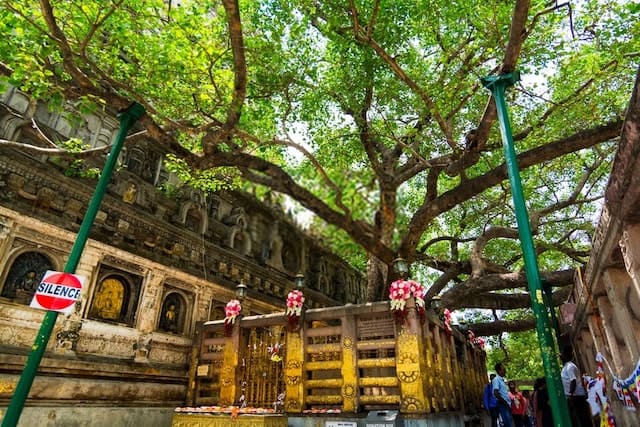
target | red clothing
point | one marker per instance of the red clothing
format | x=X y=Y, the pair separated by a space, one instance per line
x=518 y=403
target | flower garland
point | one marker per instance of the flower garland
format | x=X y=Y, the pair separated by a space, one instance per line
x=447 y=321
x=624 y=388
x=295 y=301
x=476 y=341
x=274 y=352
x=400 y=291
x=232 y=310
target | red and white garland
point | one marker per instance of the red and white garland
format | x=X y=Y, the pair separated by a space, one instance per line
x=295 y=301
x=479 y=341
x=447 y=320
x=231 y=311
x=401 y=290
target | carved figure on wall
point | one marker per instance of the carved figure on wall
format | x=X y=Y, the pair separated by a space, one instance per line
x=141 y=348
x=275 y=249
x=170 y=319
x=69 y=336
x=109 y=298
x=29 y=282
x=214 y=207
x=238 y=238
x=24 y=276
x=217 y=311
x=129 y=196
x=136 y=160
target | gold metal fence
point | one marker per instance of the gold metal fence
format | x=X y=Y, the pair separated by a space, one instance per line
x=348 y=359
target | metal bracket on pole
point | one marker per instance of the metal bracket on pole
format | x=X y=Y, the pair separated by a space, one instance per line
x=127 y=118
x=497 y=85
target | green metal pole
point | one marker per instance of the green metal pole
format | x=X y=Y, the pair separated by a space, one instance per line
x=497 y=85
x=127 y=119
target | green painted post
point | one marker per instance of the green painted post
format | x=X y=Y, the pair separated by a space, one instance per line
x=497 y=85
x=127 y=119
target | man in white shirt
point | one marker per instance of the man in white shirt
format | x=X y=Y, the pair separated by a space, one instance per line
x=574 y=391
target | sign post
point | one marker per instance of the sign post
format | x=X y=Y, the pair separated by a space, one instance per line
x=127 y=119
x=497 y=85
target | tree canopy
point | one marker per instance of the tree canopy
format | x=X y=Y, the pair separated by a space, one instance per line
x=369 y=114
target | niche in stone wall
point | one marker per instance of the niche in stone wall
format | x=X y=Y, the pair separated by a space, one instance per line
x=174 y=314
x=217 y=310
x=116 y=295
x=27 y=269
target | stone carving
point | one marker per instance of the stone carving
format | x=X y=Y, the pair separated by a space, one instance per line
x=48 y=199
x=193 y=215
x=72 y=210
x=237 y=236
x=24 y=275
x=141 y=348
x=129 y=196
x=17 y=183
x=275 y=248
x=108 y=300
x=67 y=338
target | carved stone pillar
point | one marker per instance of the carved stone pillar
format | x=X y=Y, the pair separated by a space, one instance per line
x=586 y=350
x=150 y=302
x=616 y=283
x=620 y=359
x=599 y=340
x=630 y=246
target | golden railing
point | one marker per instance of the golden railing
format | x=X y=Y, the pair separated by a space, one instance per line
x=351 y=358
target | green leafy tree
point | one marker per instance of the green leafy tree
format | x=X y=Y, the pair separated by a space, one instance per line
x=395 y=140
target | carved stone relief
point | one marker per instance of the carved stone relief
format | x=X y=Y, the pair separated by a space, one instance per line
x=115 y=297
x=275 y=244
x=633 y=302
x=24 y=275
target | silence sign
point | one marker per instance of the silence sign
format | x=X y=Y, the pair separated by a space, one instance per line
x=58 y=291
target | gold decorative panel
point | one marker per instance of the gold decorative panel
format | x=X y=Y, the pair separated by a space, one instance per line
x=201 y=420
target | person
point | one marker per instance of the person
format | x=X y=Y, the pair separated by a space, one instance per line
x=574 y=391
x=501 y=394
x=528 y=413
x=490 y=402
x=541 y=406
x=518 y=405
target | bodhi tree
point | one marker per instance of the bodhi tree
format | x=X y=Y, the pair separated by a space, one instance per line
x=369 y=114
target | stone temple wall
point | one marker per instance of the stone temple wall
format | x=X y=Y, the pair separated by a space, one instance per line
x=160 y=258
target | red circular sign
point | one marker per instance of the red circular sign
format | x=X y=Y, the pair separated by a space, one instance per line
x=58 y=291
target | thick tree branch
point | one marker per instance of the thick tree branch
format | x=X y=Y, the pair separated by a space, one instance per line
x=467 y=189
x=500 y=326
x=517 y=36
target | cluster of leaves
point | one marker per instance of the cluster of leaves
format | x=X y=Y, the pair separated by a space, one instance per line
x=368 y=114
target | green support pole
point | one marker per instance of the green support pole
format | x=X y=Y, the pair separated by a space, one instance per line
x=497 y=85
x=127 y=119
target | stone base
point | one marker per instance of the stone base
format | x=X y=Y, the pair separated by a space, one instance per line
x=82 y=416
x=443 y=419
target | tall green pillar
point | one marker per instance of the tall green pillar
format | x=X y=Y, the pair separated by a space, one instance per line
x=127 y=120
x=497 y=85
